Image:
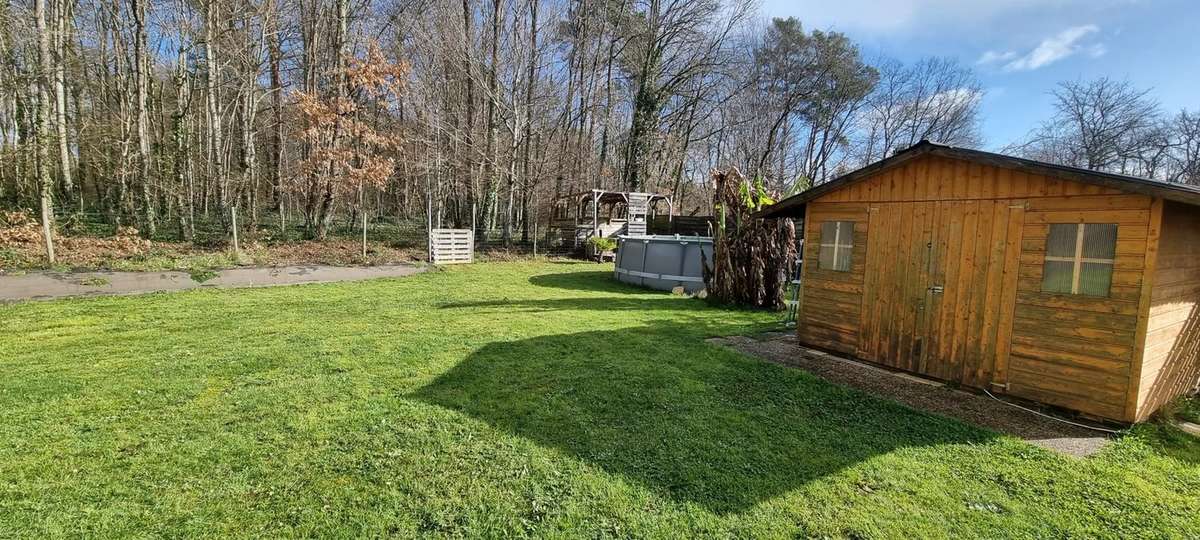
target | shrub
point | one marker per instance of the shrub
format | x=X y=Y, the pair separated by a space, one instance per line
x=601 y=244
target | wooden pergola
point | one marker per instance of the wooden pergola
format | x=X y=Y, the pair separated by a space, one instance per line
x=638 y=206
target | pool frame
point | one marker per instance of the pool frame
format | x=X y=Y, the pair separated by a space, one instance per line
x=662 y=262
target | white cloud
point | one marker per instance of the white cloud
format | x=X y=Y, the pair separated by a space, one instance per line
x=1057 y=47
x=902 y=17
x=958 y=97
x=893 y=15
x=992 y=57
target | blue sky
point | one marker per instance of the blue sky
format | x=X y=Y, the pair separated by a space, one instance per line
x=1021 y=48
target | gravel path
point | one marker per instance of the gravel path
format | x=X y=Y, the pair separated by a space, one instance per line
x=49 y=285
x=922 y=394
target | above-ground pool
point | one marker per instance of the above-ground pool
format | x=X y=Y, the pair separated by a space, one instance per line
x=662 y=262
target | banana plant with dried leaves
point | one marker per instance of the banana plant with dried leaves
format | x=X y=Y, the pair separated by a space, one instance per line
x=752 y=257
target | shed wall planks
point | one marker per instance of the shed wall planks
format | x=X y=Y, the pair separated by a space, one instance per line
x=1171 y=357
x=833 y=298
x=936 y=178
x=1078 y=351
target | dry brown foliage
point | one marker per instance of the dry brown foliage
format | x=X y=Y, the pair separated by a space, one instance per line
x=18 y=228
x=22 y=235
x=331 y=252
x=752 y=258
x=347 y=152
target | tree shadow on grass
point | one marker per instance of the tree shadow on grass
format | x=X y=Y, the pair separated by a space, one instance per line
x=588 y=280
x=691 y=421
x=624 y=298
x=616 y=303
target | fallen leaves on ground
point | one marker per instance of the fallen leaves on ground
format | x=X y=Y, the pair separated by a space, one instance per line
x=22 y=247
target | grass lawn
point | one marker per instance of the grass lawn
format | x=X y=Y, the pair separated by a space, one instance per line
x=505 y=399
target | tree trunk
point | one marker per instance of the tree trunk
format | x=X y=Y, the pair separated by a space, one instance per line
x=43 y=129
x=530 y=184
x=469 y=127
x=342 y=81
x=142 y=80
x=214 y=135
x=644 y=126
x=179 y=136
x=62 y=16
x=276 y=58
x=247 y=110
x=491 y=155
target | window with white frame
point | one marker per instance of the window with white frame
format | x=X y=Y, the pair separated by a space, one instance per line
x=837 y=243
x=1079 y=258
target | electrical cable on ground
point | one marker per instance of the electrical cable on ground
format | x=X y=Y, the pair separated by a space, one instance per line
x=1055 y=418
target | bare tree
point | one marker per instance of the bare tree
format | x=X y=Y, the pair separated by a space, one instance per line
x=795 y=119
x=673 y=42
x=1185 y=155
x=1100 y=125
x=934 y=99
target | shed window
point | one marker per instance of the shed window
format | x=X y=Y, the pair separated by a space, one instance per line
x=837 y=243
x=1079 y=258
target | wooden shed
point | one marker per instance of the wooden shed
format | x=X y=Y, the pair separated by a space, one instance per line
x=1059 y=285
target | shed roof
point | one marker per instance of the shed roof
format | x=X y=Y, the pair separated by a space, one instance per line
x=794 y=206
x=604 y=196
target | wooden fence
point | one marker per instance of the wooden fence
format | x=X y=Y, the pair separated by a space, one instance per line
x=682 y=225
x=451 y=246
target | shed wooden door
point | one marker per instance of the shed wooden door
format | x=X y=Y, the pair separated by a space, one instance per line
x=939 y=287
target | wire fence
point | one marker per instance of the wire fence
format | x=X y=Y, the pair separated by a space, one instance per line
x=211 y=230
x=207 y=230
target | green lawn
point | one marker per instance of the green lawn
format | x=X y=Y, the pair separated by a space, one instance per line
x=507 y=399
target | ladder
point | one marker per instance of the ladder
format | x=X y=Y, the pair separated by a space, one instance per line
x=793 y=303
x=639 y=207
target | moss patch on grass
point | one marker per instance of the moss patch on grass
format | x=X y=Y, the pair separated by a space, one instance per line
x=1189 y=410
x=200 y=275
x=94 y=281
